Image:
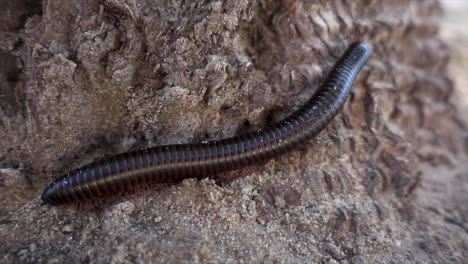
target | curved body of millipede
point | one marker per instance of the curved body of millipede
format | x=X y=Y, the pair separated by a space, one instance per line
x=125 y=171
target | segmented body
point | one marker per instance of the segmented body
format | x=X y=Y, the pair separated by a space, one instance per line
x=124 y=171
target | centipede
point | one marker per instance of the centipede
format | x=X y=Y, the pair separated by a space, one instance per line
x=126 y=171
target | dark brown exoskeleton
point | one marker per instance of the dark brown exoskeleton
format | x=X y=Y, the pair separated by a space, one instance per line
x=122 y=172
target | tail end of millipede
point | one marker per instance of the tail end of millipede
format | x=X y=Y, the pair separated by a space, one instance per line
x=364 y=46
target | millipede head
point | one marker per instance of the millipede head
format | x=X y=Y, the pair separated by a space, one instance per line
x=49 y=196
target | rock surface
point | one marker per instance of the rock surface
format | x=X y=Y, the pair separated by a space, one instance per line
x=386 y=182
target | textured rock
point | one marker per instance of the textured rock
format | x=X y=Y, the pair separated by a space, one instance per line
x=385 y=182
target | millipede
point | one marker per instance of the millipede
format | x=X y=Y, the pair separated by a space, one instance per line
x=122 y=172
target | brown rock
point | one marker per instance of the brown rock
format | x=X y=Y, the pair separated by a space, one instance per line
x=386 y=182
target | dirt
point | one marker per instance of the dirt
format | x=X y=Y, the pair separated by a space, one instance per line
x=385 y=182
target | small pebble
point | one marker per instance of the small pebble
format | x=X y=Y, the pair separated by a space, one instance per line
x=67 y=229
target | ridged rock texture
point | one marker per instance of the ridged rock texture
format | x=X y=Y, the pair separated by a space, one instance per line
x=385 y=182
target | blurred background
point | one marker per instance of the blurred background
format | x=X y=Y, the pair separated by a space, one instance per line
x=454 y=30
